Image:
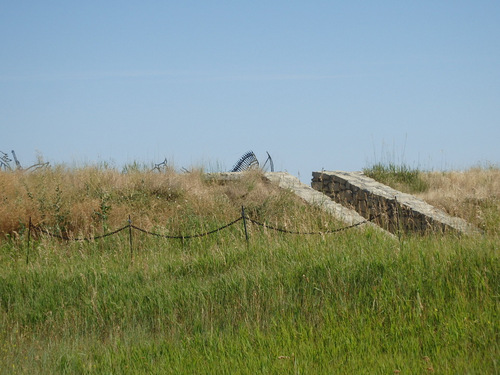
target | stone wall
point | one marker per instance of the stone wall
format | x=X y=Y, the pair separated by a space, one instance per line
x=391 y=209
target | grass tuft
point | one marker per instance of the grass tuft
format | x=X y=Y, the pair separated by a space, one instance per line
x=401 y=177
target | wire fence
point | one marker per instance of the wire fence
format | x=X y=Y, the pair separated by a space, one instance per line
x=32 y=228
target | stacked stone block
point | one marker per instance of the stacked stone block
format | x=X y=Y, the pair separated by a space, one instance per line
x=391 y=209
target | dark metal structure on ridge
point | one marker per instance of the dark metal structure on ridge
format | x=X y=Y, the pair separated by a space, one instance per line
x=5 y=163
x=249 y=161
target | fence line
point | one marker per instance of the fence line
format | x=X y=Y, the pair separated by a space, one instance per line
x=66 y=238
x=181 y=237
x=189 y=236
x=311 y=233
x=36 y=228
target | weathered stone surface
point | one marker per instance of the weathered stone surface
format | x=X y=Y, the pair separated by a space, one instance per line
x=317 y=185
x=312 y=196
x=394 y=210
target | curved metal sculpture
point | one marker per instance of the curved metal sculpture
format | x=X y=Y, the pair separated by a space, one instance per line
x=161 y=166
x=5 y=163
x=249 y=161
x=270 y=160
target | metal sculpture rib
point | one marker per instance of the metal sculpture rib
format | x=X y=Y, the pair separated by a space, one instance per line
x=270 y=160
x=5 y=163
x=247 y=161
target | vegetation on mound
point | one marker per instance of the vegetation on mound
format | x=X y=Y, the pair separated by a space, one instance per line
x=473 y=194
x=351 y=302
x=398 y=176
x=90 y=201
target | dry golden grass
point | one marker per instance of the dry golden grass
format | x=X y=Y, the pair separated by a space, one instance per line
x=91 y=200
x=476 y=183
x=473 y=194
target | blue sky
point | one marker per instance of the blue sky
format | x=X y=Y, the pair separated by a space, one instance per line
x=337 y=85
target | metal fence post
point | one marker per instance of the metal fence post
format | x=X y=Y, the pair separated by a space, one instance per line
x=244 y=222
x=398 y=222
x=130 y=237
x=29 y=239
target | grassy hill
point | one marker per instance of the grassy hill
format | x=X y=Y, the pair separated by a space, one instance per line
x=350 y=302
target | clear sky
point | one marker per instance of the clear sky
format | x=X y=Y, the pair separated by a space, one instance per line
x=337 y=85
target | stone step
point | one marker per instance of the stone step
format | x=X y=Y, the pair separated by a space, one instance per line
x=394 y=210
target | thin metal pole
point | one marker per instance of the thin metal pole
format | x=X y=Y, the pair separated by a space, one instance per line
x=398 y=223
x=244 y=222
x=29 y=239
x=130 y=237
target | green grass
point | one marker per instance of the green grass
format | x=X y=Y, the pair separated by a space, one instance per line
x=350 y=302
x=399 y=176
x=353 y=302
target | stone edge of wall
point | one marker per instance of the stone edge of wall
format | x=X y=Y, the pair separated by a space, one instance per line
x=394 y=210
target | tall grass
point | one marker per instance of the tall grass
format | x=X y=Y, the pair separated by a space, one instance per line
x=350 y=302
x=399 y=176
x=473 y=194
x=89 y=201
x=353 y=302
